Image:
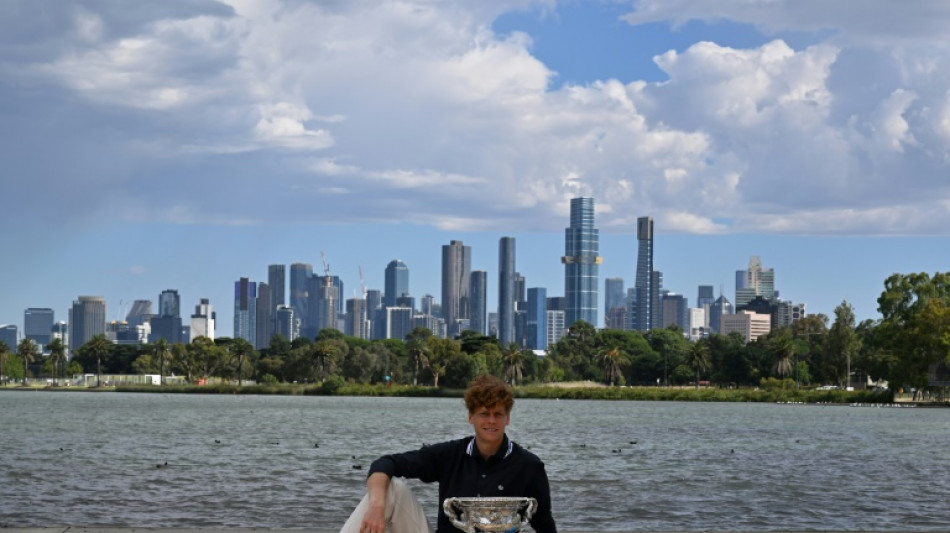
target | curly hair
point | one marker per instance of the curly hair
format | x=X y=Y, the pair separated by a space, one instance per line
x=486 y=391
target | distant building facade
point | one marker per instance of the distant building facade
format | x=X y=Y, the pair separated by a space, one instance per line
x=581 y=263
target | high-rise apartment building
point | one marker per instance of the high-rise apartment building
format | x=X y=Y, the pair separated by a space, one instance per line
x=456 y=273
x=245 y=310
x=581 y=263
x=87 y=318
x=38 y=326
x=398 y=322
x=396 y=282
x=536 y=318
x=675 y=311
x=286 y=325
x=264 y=317
x=506 y=290
x=556 y=326
x=648 y=292
x=356 y=324
x=202 y=321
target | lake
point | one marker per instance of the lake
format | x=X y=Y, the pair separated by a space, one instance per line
x=181 y=460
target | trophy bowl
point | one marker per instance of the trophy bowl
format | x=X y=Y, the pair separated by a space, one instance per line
x=490 y=515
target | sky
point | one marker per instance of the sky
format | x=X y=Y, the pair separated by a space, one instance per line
x=166 y=144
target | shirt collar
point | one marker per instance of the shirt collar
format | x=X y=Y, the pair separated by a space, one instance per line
x=507 y=446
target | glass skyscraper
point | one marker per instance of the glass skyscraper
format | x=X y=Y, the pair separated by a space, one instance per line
x=506 y=290
x=245 y=310
x=581 y=263
x=537 y=324
x=300 y=274
x=397 y=282
x=478 y=294
x=647 y=290
x=456 y=270
x=87 y=318
x=38 y=325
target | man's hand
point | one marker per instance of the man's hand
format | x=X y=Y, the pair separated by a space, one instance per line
x=374 y=521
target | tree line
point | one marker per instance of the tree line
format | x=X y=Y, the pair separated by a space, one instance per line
x=907 y=347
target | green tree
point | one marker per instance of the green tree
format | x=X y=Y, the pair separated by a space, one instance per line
x=614 y=359
x=100 y=348
x=842 y=344
x=418 y=349
x=240 y=349
x=670 y=344
x=28 y=352
x=161 y=351
x=698 y=358
x=4 y=356
x=514 y=363
x=57 y=356
x=782 y=348
x=441 y=351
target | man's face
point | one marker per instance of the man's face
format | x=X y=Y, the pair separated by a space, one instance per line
x=489 y=423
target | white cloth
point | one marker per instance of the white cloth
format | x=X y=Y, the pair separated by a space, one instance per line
x=404 y=514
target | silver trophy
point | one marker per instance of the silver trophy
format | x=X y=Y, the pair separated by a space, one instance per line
x=490 y=515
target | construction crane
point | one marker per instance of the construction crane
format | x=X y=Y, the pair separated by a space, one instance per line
x=326 y=269
x=362 y=285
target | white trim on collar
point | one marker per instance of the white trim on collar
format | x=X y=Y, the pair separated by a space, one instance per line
x=470 y=449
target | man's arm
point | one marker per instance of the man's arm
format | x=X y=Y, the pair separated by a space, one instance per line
x=374 y=521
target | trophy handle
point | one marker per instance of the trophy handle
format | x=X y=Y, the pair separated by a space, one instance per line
x=450 y=506
x=529 y=511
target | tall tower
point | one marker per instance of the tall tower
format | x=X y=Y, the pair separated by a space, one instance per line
x=581 y=263
x=456 y=270
x=506 y=290
x=277 y=281
x=264 y=317
x=614 y=294
x=167 y=324
x=300 y=274
x=245 y=310
x=87 y=318
x=202 y=322
x=397 y=282
x=537 y=323
x=647 y=292
x=478 y=295
x=756 y=281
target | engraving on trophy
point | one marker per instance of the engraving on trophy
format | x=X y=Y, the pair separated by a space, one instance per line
x=490 y=515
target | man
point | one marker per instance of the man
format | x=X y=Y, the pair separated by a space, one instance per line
x=486 y=465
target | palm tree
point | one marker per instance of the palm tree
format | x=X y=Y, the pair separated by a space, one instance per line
x=4 y=354
x=27 y=350
x=57 y=354
x=697 y=358
x=241 y=348
x=100 y=347
x=514 y=363
x=783 y=348
x=613 y=358
x=418 y=351
x=161 y=351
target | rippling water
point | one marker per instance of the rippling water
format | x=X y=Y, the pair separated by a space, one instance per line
x=170 y=460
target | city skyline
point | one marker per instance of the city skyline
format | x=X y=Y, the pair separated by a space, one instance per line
x=185 y=145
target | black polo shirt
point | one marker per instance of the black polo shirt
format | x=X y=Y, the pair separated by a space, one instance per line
x=461 y=472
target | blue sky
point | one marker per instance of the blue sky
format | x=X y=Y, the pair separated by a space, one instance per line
x=181 y=145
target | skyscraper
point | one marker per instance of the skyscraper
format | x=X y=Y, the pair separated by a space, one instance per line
x=397 y=282
x=286 y=325
x=140 y=314
x=87 y=318
x=537 y=323
x=38 y=326
x=202 y=321
x=581 y=263
x=506 y=290
x=264 y=317
x=356 y=323
x=456 y=271
x=300 y=274
x=646 y=290
x=478 y=295
x=245 y=310
x=756 y=281
x=614 y=296
x=167 y=323
x=276 y=280
x=720 y=308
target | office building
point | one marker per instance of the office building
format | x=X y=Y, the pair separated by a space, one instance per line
x=277 y=281
x=396 y=282
x=720 y=308
x=286 y=324
x=427 y=304
x=705 y=296
x=245 y=310
x=616 y=318
x=325 y=305
x=300 y=280
x=506 y=290
x=139 y=314
x=167 y=323
x=87 y=318
x=698 y=323
x=749 y=324
x=536 y=318
x=61 y=331
x=675 y=311
x=456 y=273
x=203 y=320
x=755 y=281
x=581 y=263
x=478 y=297
x=614 y=296
x=9 y=335
x=398 y=322
x=263 y=317
x=38 y=326
x=647 y=302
